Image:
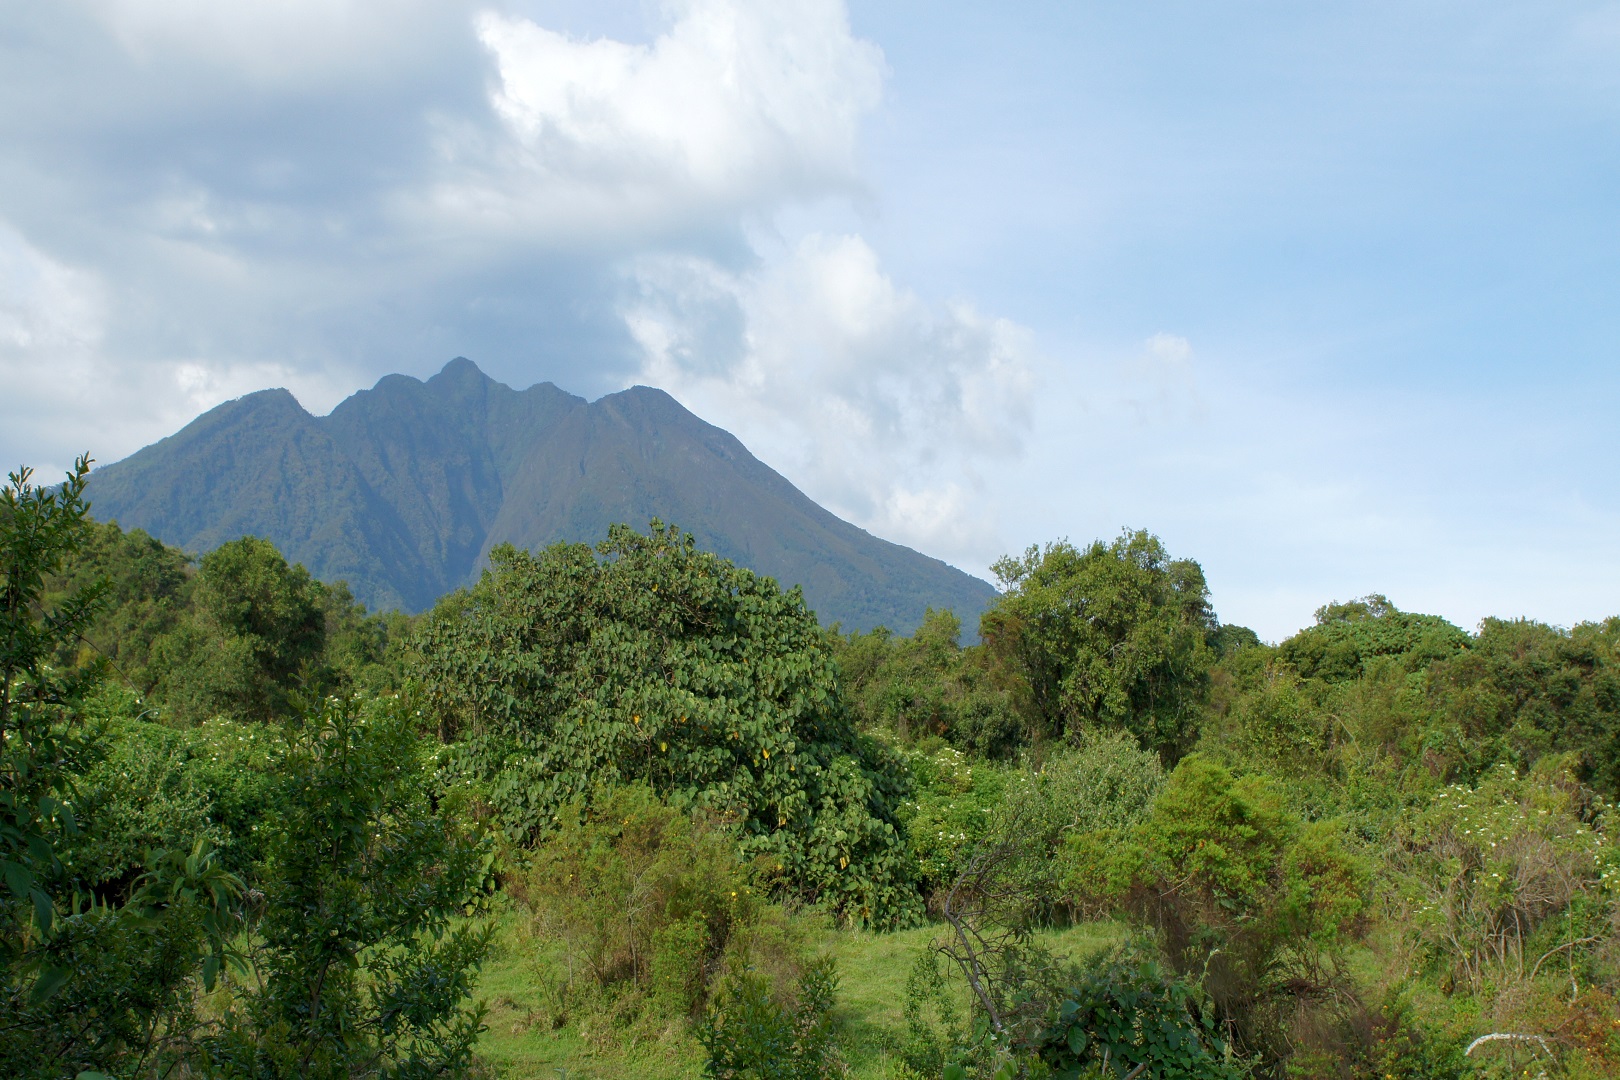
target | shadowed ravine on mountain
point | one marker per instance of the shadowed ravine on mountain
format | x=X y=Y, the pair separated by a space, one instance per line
x=404 y=488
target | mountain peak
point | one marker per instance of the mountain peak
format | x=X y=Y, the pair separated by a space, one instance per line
x=404 y=489
x=460 y=370
x=277 y=398
x=648 y=401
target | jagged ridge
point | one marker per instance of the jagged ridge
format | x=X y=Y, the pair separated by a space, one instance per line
x=404 y=488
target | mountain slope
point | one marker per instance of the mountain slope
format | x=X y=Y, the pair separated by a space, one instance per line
x=404 y=488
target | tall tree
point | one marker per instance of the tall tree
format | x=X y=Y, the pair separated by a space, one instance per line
x=1524 y=689
x=1114 y=635
x=651 y=660
x=929 y=685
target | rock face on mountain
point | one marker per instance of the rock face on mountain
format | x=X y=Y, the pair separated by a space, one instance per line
x=404 y=488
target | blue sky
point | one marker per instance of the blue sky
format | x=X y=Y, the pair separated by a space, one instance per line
x=1323 y=295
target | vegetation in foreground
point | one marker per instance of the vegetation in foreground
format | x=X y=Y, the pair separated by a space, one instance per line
x=627 y=810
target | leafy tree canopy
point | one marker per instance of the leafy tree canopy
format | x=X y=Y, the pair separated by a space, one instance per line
x=251 y=635
x=1536 y=690
x=81 y=986
x=1349 y=637
x=39 y=756
x=648 y=659
x=148 y=590
x=359 y=953
x=929 y=685
x=1117 y=635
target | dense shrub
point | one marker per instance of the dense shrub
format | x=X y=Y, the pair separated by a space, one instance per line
x=151 y=786
x=1124 y=1012
x=82 y=987
x=1510 y=879
x=567 y=673
x=243 y=636
x=953 y=811
x=254 y=637
x=1265 y=715
x=1383 y=737
x=147 y=593
x=1118 y=1013
x=751 y=1033
x=139 y=797
x=659 y=927
x=1408 y=1046
x=1255 y=903
x=1336 y=748
x=642 y=895
x=1526 y=689
x=116 y=989
x=1104 y=780
x=342 y=940
x=929 y=686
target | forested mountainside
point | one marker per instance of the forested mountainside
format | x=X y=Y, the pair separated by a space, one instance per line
x=404 y=490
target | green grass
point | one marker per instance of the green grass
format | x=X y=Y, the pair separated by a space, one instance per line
x=526 y=1041
x=873 y=969
x=527 y=1038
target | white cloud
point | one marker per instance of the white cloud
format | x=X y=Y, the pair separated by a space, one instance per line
x=47 y=309
x=68 y=388
x=292 y=45
x=1162 y=384
x=314 y=193
x=51 y=323
x=885 y=408
x=311 y=194
x=198 y=385
x=733 y=109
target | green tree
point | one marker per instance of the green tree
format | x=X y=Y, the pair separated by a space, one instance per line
x=83 y=986
x=1123 y=1013
x=361 y=963
x=148 y=592
x=567 y=673
x=248 y=588
x=1529 y=689
x=751 y=1034
x=361 y=653
x=639 y=893
x=1348 y=638
x=929 y=685
x=39 y=753
x=233 y=638
x=255 y=637
x=1115 y=635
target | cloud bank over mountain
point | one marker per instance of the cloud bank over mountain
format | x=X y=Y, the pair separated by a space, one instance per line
x=311 y=194
x=892 y=408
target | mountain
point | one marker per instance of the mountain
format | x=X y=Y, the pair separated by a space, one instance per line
x=404 y=488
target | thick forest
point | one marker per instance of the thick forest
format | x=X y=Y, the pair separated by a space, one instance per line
x=626 y=809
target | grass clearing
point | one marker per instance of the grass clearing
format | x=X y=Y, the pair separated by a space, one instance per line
x=526 y=1041
x=529 y=1036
